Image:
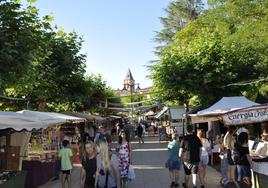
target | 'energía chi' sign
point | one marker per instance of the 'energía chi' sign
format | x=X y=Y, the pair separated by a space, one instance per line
x=243 y=117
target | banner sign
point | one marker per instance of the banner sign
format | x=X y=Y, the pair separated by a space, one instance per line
x=245 y=117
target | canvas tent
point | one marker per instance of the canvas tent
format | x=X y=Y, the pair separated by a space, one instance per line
x=86 y=116
x=223 y=106
x=19 y=121
x=175 y=113
x=162 y=112
x=51 y=117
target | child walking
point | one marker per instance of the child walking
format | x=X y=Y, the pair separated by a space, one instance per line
x=65 y=155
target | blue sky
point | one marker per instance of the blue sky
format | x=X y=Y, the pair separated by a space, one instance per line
x=118 y=34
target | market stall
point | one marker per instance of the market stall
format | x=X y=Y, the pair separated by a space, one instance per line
x=213 y=117
x=14 y=137
x=29 y=142
x=243 y=113
x=258 y=116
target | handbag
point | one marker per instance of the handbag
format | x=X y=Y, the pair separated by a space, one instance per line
x=131 y=173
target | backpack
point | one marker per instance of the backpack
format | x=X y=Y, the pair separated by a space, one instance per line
x=236 y=157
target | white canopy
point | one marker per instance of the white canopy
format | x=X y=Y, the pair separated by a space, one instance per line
x=225 y=105
x=51 y=117
x=177 y=113
x=86 y=116
x=29 y=120
x=19 y=122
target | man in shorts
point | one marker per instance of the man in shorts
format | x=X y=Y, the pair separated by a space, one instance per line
x=190 y=151
x=65 y=156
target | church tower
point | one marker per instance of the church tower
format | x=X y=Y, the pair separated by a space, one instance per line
x=129 y=82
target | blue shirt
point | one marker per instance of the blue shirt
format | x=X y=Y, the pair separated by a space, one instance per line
x=173 y=148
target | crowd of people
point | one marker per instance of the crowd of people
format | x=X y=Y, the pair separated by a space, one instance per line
x=192 y=153
x=103 y=165
x=106 y=164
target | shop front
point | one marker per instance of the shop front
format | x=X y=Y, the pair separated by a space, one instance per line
x=244 y=114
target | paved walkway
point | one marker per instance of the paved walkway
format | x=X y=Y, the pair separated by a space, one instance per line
x=149 y=162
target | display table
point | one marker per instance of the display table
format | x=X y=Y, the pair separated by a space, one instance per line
x=260 y=174
x=38 y=173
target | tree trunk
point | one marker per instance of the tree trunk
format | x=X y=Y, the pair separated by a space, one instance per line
x=187 y=119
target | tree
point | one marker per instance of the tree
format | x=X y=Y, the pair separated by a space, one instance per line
x=179 y=13
x=43 y=65
x=22 y=40
x=222 y=47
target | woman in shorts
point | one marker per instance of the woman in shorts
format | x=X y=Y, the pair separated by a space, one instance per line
x=204 y=156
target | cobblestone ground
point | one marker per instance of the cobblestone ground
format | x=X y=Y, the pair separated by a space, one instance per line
x=149 y=163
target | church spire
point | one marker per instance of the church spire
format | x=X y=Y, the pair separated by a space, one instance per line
x=129 y=76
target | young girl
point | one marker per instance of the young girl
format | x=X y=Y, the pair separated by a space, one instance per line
x=107 y=168
x=89 y=169
x=124 y=158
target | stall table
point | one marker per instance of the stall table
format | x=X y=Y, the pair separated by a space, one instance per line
x=38 y=173
x=260 y=174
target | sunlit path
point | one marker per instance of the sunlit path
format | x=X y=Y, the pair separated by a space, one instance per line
x=149 y=163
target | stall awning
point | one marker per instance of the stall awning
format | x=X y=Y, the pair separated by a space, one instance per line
x=18 y=122
x=223 y=106
x=253 y=114
x=51 y=117
x=162 y=112
x=86 y=116
x=177 y=113
x=227 y=104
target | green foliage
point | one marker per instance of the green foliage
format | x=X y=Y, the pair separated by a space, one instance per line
x=179 y=13
x=43 y=64
x=227 y=44
x=22 y=38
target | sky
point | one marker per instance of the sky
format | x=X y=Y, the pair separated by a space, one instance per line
x=118 y=34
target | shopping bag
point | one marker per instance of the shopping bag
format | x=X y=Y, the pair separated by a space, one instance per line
x=131 y=173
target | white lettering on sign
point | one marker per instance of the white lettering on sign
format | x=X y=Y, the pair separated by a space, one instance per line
x=251 y=116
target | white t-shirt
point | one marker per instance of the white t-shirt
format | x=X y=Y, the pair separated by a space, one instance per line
x=205 y=147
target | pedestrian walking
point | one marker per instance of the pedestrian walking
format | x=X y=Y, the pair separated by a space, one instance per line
x=204 y=156
x=190 y=151
x=224 y=163
x=89 y=166
x=108 y=175
x=65 y=155
x=103 y=135
x=173 y=163
x=228 y=142
x=243 y=160
x=124 y=157
x=140 y=132
x=162 y=133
